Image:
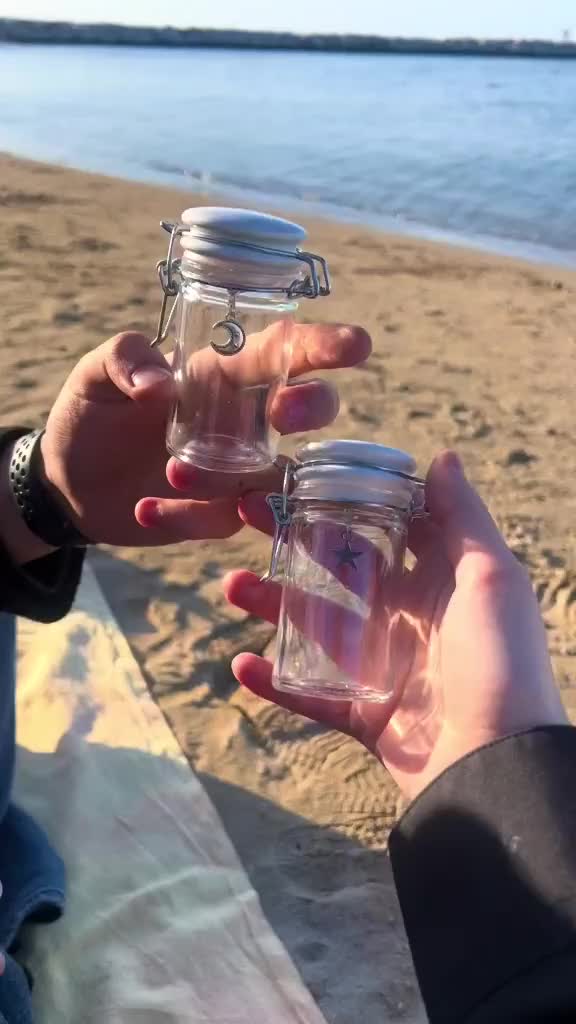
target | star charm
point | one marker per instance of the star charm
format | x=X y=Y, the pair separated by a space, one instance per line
x=345 y=555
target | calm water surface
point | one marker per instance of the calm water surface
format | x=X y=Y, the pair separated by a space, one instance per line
x=481 y=149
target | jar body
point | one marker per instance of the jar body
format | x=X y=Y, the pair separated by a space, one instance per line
x=341 y=603
x=223 y=418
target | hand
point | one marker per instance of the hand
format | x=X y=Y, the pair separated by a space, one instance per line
x=476 y=665
x=104 y=447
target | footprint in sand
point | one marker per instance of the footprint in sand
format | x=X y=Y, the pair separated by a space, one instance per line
x=519 y=457
x=317 y=860
x=558 y=602
x=420 y=413
x=363 y=416
x=522 y=534
x=469 y=422
x=453 y=368
x=19 y=199
x=68 y=315
x=90 y=244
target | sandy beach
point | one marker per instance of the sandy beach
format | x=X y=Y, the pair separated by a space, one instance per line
x=471 y=351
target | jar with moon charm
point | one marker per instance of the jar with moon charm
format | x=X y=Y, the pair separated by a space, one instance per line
x=235 y=278
x=344 y=631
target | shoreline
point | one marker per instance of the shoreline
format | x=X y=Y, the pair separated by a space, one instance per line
x=533 y=254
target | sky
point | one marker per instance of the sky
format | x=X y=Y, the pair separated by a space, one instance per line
x=546 y=19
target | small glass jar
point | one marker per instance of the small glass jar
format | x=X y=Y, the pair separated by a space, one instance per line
x=341 y=529
x=236 y=288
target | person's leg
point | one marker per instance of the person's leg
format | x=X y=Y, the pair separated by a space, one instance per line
x=31 y=873
x=7 y=708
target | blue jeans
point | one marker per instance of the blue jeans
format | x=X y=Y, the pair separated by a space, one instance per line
x=31 y=873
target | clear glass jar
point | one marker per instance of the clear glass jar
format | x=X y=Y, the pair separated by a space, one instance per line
x=343 y=532
x=236 y=290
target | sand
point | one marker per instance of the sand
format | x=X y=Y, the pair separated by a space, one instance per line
x=470 y=350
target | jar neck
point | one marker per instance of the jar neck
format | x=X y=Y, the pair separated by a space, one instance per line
x=240 y=276
x=355 y=484
x=216 y=295
x=383 y=516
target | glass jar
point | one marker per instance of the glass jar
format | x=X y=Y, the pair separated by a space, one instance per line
x=341 y=530
x=236 y=288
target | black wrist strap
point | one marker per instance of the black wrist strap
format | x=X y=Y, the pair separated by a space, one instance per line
x=38 y=508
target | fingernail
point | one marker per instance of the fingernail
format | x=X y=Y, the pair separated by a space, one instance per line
x=150 y=376
x=345 y=333
x=182 y=476
x=453 y=464
x=149 y=512
x=293 y=419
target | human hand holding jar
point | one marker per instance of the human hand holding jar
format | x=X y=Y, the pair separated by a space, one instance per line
x=220 y=401
x=447 y=656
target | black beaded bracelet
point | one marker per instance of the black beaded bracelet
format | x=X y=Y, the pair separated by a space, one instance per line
x=38 y=508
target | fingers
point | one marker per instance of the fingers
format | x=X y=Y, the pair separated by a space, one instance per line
x=352 y=643
x=308 y=405
x=423 y=537
x=254 y=511
x=124 y=367
x=311 y=346
x=204 y=485
x=255 y=674
x=327 y=347
x=246 y=591
x=469 y=534
x=172 y=520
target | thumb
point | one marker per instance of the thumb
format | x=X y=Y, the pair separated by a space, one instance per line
x=124 y=367
x=470 y=535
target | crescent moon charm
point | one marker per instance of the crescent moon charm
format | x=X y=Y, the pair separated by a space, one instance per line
x=235 y=340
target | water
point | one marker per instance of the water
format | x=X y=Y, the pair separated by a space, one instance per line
x=464 y=148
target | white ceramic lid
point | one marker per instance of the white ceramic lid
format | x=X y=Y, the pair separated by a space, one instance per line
x=365 y=453
x=351 y=471
x=212 y=230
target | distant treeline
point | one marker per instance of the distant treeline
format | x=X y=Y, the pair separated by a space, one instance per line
x=13 y=30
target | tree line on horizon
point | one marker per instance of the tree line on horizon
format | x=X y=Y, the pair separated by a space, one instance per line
x=13 y=30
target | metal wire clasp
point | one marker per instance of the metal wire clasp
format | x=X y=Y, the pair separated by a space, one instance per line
x=280 y=507
x=315 y=284
x=418 y=508
x=167 y=270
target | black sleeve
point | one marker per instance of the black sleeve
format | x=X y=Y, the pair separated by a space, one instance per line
x=44 y=589
x=485 y=866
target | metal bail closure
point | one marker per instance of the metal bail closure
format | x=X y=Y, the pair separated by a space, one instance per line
x=418 y=507
x=167 y=269
x=234 y=334
x=279 y=506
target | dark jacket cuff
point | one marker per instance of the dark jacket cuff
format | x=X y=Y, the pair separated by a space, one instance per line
x=45 y=589
x=485 y=866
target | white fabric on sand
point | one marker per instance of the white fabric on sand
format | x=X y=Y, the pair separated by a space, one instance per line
x=162 y=925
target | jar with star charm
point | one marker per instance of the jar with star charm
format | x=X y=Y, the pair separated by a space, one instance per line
x=340 y=546
x=234 y=278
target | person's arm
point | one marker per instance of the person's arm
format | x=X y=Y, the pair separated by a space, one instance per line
x=485 y=866
x=104 y=456
x=36 y=581
x=478 y=740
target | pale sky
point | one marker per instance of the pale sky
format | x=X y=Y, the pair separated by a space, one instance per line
x=510 y=18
